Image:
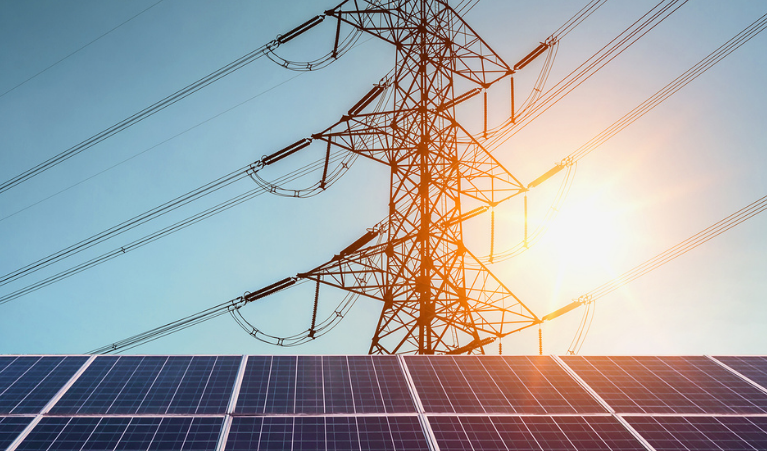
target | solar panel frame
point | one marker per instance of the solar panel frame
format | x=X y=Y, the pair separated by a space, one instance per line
x=181 y=433
x=157 y=385
x=668 y=385
x=27 y=383
x=337 y=432
x=531 y=432
x=323 y=385
x=10 y=428
x=754 y=367
x=671 y=432
x=498 y=384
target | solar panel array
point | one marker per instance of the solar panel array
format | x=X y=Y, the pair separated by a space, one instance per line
x=430 y=403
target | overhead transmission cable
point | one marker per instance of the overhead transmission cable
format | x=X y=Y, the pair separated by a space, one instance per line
x=196 y=194
x=259 y=94
x=173 y=228
x=80 y=49
x=629 y=118
x=606 y=54
x=740 y=216
x=267 y=49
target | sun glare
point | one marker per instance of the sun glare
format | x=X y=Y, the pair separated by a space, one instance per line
x=586 y=235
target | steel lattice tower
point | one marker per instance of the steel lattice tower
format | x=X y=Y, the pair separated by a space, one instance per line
x=437 y=297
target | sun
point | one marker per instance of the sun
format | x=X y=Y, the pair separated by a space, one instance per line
x=587 y=234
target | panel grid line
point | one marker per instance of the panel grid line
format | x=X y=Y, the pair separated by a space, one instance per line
x=423 y=420
x=67 y=386
x=227 y=423
x=24 y=433
x=604 y=403
x=583 y=383
x=739 y=374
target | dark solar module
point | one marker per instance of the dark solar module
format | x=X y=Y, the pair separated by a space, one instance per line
x=753 y=367
x=538 y=433
x=152 y=385
x=323 y=384
x=122 y=433
x=496 y=384
x=702 y=432
x=326 y=433
x=10 y=428
x=28 y=383
x=674 y=385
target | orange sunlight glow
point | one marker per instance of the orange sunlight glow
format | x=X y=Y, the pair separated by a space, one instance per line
x=586 y=235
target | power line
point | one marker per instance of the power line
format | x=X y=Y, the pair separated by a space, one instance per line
x=158 y=106
x=705 y=235
x=596 y=62
x=79 y=49
x=178 y=226
x=671 y=88
x=152 y=147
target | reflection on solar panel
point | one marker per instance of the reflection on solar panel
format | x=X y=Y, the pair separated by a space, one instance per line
x=323 y=384
x=753 y=367
x=10 y=428
x=495 y=384
x=400 y=433
x=380 y=403
x=702 y=433
x=676 y=385
x=152 y=385
x=28 y=383
x=144 y=433
x=540 y=433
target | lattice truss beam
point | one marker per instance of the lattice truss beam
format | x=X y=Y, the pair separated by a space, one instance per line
x=437 y=297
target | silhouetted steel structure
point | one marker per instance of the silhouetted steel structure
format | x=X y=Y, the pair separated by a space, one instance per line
x=437 y=296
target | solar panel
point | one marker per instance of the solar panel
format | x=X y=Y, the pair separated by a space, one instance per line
x=496 y=384
x=123 y=433
x=539 y=433
x=327 y=432
x=673 y=385
x=28 y=383
x=323 y=384
x=10 y=428
x=152 y=385
x=702 y=432
x=753 y=367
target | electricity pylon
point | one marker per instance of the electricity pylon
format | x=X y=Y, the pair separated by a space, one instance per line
x=437 y=296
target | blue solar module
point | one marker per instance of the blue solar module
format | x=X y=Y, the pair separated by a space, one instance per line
x=152 y=385
x=10 y=428
x=702 y=432
x=28 y=383
x=124 y=433
x=496 y=384
x=531 y=433
x=673 y=385
x=323 y=384
x=753 y=367
x=374 y=433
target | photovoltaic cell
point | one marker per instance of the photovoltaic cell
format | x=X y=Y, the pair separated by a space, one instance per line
x=152 y=385
x=497 y=384
x=702 y=432
x=753 y=367
x=323 y=384
x=10 y=428
x=124 y=433
x=390 y=433
x=531 y=433
x=673 y=385
x=28 y=383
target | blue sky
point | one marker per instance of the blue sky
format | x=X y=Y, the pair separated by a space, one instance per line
x=693 y=160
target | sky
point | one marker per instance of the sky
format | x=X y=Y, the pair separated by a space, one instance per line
x=690 y=162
